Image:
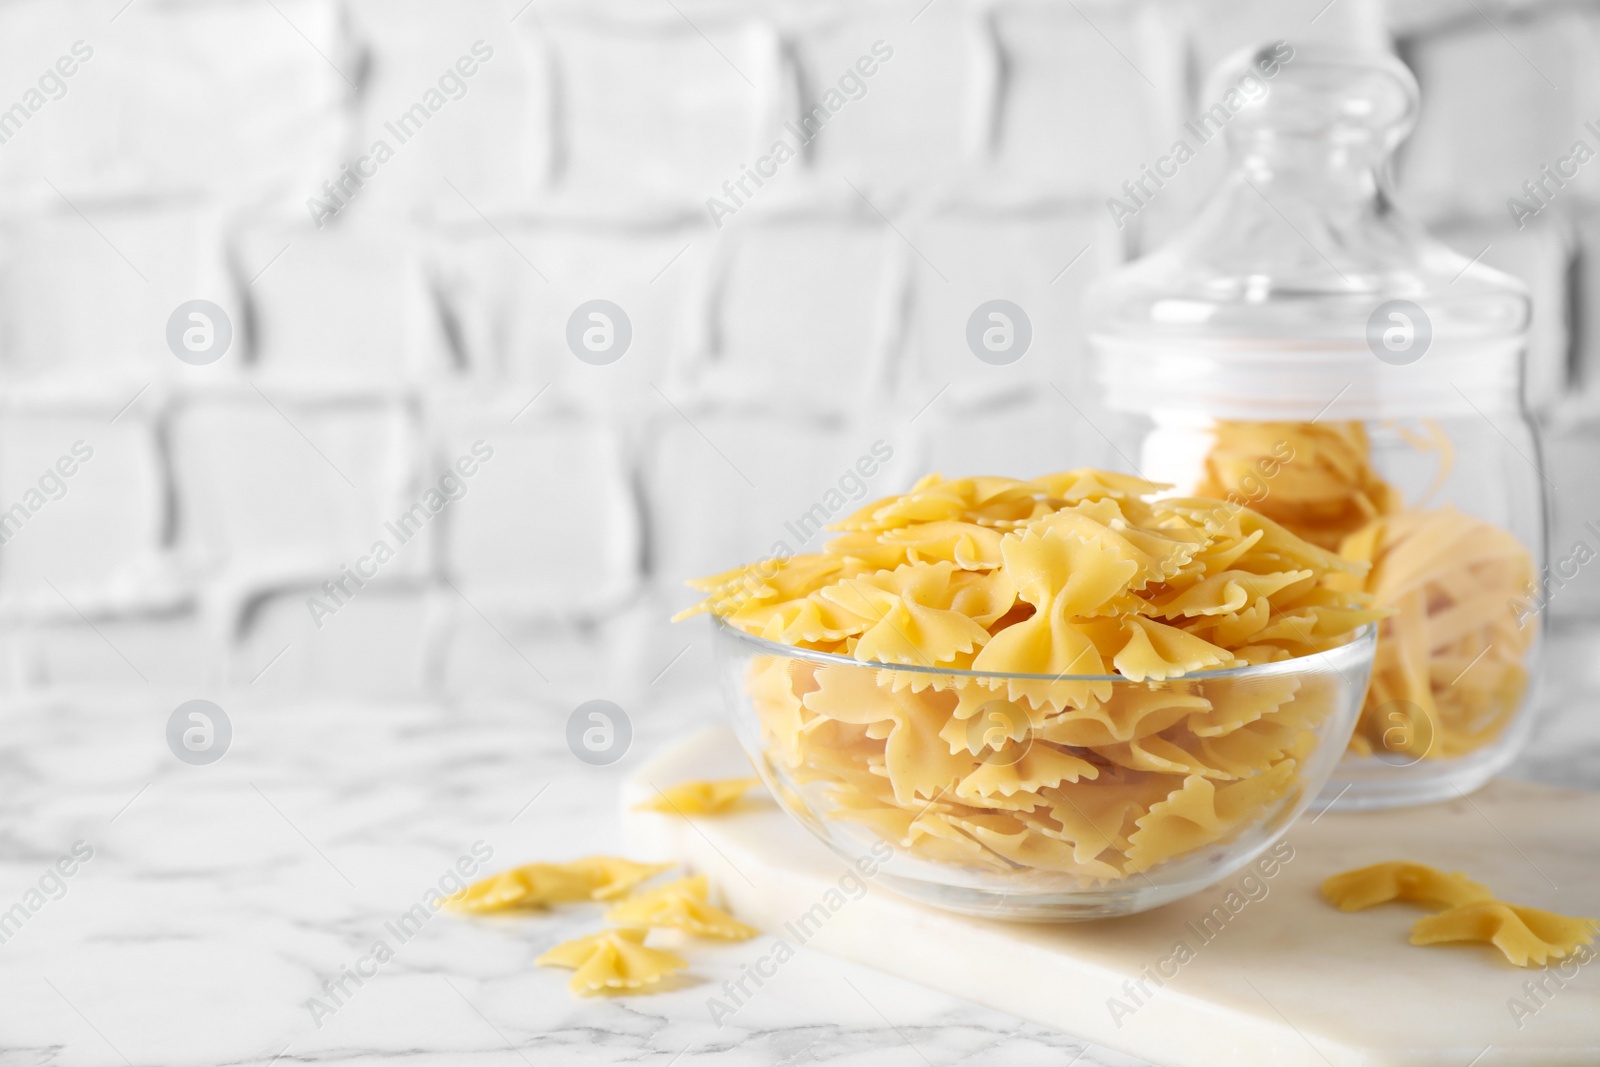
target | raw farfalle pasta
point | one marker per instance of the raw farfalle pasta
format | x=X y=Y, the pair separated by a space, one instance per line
x=538 y=885
x=1398 y=880
x=615 y=960
x=1069 y=583
x=1453 y=649
x=612 y=877
x=684 y=905
x=1527 y=936
x=699 y=797
x=612 y=961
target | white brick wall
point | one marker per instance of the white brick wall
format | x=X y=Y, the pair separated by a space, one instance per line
x=1078 y=113
x=86 y=287
x=1500 y=101
x=175 y=96
x=567 y=154
x=805 y=311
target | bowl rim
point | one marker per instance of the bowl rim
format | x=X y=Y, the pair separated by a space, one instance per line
x=1362 y=645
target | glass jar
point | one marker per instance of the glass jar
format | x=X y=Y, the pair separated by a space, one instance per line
x=1301 y=349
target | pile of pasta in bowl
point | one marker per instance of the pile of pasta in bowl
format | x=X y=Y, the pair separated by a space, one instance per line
x=1065 y=697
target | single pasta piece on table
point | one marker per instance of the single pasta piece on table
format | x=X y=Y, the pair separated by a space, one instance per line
x=539 y=885
x=1399 y=880
x=612 y=961
x=684 y=905
x=1527 y=936
x=699 y=797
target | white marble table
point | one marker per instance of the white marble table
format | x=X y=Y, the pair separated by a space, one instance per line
x=220 y=898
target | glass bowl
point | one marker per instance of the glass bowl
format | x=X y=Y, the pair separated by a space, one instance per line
x=1034 y=797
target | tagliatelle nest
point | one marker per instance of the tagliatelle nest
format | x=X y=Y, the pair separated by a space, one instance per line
x=1450 y=672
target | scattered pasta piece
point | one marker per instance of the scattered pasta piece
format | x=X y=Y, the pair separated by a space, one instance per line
x=1398 y=880
x=1063 y=581
x=1527 y=936
x=684 y=905
x=539 y=885
x=612 y=961
x=699 y=797
x=611 y=877
x=533 y=885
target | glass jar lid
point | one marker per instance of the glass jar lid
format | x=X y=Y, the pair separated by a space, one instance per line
x=1299 y=290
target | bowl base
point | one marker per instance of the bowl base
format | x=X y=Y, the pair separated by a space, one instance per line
x=1372 y=784
x=1077 y=906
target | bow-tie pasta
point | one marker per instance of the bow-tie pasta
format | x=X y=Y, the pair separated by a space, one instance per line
x=539 y=885
x=1038 y=696
x=699 y=797
x=612 y=961
x=1525 y=936
x=684 y=904
x=1399 y=880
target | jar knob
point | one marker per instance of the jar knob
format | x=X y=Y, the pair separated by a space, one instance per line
x=1345 y=98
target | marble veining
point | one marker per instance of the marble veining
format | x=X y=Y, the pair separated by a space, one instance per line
x=220 y=899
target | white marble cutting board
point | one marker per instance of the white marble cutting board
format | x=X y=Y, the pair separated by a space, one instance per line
x=1286 y=981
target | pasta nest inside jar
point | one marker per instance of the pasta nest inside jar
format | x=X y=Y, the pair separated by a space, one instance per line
x=1451 y=668
x=1119 y=753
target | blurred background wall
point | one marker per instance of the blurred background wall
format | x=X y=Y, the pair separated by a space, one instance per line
x=792 y=347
